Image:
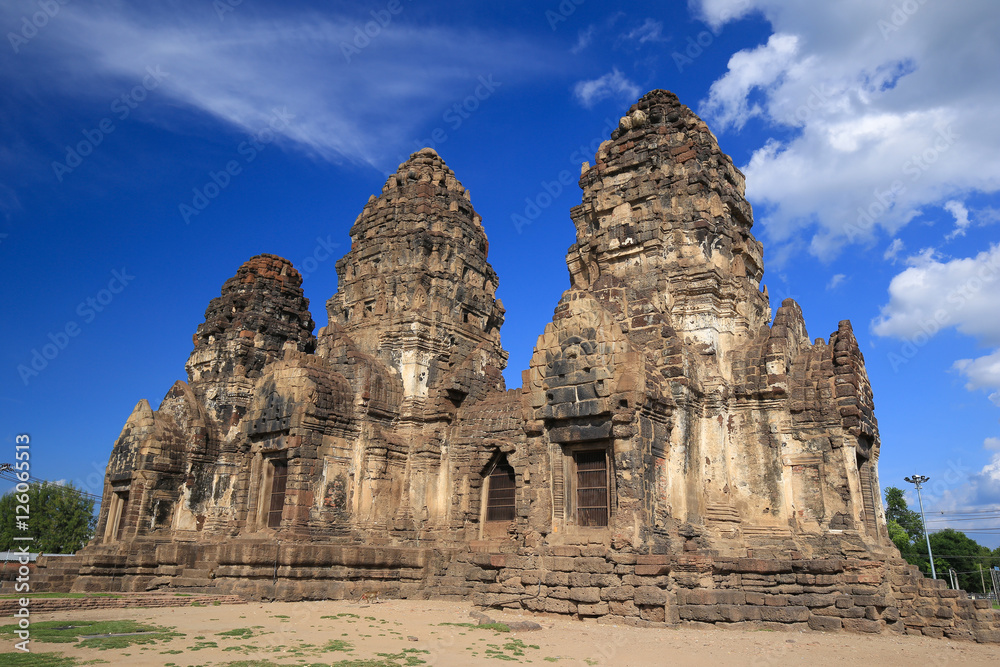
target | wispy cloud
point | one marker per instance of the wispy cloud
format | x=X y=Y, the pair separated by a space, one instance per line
x=614 y=86
x=649 y=31
x=583 y=39
x=961 y=214
x=893 y=250
x=836 y=281
x=240 y=69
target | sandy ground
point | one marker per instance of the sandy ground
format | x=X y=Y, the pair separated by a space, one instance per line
x=288 y=633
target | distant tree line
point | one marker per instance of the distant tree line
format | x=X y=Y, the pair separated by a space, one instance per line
x=60 y=519
x=952 y=548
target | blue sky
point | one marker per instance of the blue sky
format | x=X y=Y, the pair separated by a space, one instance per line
x=145 y=153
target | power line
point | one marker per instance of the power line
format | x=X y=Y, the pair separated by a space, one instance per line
x=11 y=477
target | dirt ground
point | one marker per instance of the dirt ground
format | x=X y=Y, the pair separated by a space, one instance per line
x=408 y=632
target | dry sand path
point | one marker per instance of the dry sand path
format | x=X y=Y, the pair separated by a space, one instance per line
x=405 y=631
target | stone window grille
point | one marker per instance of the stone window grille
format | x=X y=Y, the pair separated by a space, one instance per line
x=276 y=502
x=592 y=507
x=500 y=492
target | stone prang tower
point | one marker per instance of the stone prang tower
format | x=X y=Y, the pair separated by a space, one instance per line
x=675 y=454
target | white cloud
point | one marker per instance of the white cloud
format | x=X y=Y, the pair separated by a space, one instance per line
x=961 y=489
x=583 y=39
x=933 y=294
x=992 y=444
x=987 y=215
x=716 y=13
x=357 y=99
x=836 y=280
x=957 y=209
x=729 y=97
x=893 y=250
x=983 y=373
x=649 y=31
x=985 y=485
x=870 y=146
x=613 y=85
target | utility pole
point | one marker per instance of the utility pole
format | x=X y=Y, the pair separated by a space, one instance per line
x=917 y=480
x=981 y=580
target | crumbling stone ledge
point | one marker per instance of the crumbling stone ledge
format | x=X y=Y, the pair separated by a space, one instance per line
x=854 y=595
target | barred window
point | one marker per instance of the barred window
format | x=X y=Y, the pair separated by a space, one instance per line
x=279 y=476
x=501 y=491
x=591 y=488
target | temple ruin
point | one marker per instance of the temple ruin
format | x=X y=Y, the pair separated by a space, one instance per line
x=675 y=453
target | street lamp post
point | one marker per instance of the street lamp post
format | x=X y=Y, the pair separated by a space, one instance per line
x=917 y=480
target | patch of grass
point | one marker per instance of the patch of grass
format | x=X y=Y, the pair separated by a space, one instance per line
x=172 y=651
x=203 y=645
x=550 y=659
x=515 y=647
x=68 y=632
x=280 y=616
x=242 y=633
x=497 y=627
x=22 y=659
x=338 y=645
x=105 y=643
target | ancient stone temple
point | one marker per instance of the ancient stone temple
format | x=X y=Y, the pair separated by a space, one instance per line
x=675 y=454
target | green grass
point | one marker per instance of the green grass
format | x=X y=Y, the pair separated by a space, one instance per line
x=242 y=633
x=496 y=627
x=105 y=643
x=202 y=645
x=515 y=648
x=68 y=632
x=22 y=659
x=338 y=645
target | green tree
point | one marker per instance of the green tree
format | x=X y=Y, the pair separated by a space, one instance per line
x=964 y=555
x=60 y=519
x=897 y=510
x=900 y=538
